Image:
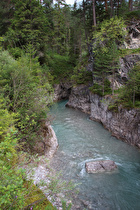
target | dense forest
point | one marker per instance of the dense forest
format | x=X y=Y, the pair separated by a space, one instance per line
x=43 y=43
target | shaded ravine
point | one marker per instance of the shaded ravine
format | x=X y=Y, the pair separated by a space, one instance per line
x=81 y=140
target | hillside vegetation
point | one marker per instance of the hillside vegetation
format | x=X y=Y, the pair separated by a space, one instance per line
x=42 y=44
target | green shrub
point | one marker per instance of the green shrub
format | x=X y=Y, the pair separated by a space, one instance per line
x=96 y=89
x=26 y=90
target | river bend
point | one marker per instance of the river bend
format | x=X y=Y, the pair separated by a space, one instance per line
x=81 y=140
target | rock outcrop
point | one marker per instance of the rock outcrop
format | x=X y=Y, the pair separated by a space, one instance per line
x=80 y=99
x=126 y=64
x=134 y=35
x=62 y=91
x=123 y=124
x=48 y=144
x=100 y=166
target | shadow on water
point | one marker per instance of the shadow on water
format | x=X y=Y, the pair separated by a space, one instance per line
x=81 y=140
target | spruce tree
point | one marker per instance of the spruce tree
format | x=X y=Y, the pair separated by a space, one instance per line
x=28 y=26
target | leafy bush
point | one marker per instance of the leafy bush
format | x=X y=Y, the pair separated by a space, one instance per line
x=26 y=91
x=15 y=191
x=12 y=190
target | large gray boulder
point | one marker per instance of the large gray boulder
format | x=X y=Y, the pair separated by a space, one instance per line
x=100 y=166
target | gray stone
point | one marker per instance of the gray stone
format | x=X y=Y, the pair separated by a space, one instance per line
x=51 y=143
x=100 y=166
x=123 y=124
x=48 y=143
x=80 y=99
x=61 y=91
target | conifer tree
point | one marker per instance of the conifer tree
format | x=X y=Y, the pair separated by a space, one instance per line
x=101 y=66
x=29 y=25
x=132 y=88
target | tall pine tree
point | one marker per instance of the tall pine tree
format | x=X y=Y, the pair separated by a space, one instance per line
x=28 y=26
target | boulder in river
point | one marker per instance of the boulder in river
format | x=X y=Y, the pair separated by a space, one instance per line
x=100 y=166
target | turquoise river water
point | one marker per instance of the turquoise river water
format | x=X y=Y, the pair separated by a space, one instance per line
x=82 y=140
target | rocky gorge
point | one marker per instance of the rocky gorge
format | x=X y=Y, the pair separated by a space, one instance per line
x=123 y=123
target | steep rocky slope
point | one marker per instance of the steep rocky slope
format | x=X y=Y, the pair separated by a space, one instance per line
x=124 y=124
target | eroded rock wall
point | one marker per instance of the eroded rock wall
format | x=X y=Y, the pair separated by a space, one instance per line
x=124 y=124
x=62 y=91
x=80 y=99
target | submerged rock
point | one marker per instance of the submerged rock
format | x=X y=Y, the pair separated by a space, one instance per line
x=100 y=166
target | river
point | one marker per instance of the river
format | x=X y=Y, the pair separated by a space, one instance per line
x=81 y=140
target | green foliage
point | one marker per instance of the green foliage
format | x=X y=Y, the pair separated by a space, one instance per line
x=28 y=26
x=6 y=13
x=106 y=63
x=133 y=14
x=129 y=95
x=6 y=118
x=60 y=67
x=80 y=74
x=15 y=192
x=132 y=88
x=97 y=88
x=123 y=9
x=61 y=21
x=27 y=92
x=110 y=30
x=11 y=183
x=124 y=52
x=64 y=206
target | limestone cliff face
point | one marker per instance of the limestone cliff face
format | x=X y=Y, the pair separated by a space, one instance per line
x=124 y=124
x=126 y=64
x=80 y=98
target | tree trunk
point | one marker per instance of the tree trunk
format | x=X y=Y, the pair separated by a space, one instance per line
x=130 y=5
x=106 y=5
x=134 y=97
x=112 y=7
x=94 y=13
x=86 y=35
